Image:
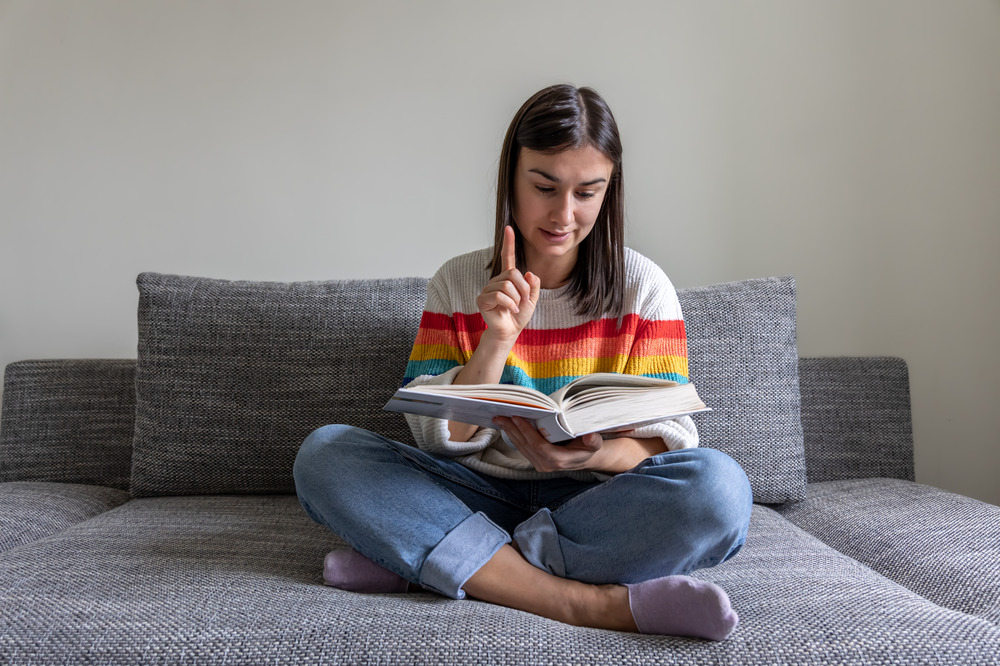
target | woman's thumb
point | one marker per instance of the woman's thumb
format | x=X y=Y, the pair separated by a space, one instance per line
x=535 y=283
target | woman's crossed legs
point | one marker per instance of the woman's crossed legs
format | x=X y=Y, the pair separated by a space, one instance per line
x=613 y=555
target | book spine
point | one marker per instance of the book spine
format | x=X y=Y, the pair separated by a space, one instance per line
x=552 y=428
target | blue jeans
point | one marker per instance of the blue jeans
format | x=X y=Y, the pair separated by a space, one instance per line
x=435 y=522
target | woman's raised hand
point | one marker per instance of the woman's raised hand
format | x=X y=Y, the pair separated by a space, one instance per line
x=506 y=303
x=508 y=300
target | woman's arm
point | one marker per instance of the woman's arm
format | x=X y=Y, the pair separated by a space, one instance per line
x=485 y=366
x=506 y=304
x=623 y=453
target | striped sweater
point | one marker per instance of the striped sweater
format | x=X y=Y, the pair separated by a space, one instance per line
x=556 y=347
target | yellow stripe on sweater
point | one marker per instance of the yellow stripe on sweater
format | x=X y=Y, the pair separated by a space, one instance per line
x=575 y=367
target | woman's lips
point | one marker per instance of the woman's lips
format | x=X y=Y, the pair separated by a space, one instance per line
x=556 y=238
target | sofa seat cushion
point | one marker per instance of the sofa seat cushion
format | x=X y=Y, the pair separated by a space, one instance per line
x=237 y=579
x=31 y=510
x=943 y=546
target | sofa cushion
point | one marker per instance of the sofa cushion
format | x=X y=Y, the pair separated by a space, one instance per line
x=68 y=421
x=943 y=546
x=744 y=360
x=238 y=580
x=875 y=391
x=232 y=376
x=32 y=510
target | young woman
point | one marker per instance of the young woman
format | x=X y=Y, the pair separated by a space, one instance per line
x=594 y=532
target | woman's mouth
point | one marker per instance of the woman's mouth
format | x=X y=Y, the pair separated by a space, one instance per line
x=555 y=238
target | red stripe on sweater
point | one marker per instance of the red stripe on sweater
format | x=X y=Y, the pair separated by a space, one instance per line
x=603 y=328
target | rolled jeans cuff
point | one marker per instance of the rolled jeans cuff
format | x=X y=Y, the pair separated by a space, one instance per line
x=538 y=540
x=461 y=553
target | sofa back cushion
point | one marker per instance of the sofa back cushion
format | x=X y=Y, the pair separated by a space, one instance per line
x=232 y=376
x=68 y=421
x=875 y=392
x=742 y=356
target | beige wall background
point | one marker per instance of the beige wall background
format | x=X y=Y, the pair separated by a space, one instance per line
x=854 y=144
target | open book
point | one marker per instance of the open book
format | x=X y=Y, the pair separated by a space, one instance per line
x=604 y=402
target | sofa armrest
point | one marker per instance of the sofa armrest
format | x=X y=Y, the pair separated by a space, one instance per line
x=68 y=421
x=856 y=418
x=943 y=546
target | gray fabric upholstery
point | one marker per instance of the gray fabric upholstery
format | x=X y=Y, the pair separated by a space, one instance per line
x=876 y=440
x=68 y=421
x=30 y=510
x=234 y=580
x=232 y=376
x=744 y=360
x=943 y=546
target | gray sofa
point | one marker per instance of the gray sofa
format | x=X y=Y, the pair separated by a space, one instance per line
x=148 y=515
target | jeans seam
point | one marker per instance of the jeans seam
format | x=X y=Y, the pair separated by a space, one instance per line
x=583 y=494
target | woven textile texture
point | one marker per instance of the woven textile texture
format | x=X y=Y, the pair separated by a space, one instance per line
x=30 y=510
x=83 y=411
x=876 y=393
x=236 y=580
x=942 y=546
x=232 y=376
x=744 y=360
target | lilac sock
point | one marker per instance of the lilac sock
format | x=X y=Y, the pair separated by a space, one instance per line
x=347 y=569
x=682 y=606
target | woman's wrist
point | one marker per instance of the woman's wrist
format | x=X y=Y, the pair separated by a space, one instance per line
x=623 y=453
x=496 y=344
x=487 y=362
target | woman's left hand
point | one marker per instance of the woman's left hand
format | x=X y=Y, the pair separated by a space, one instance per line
x=581 y=453
x=589 y=452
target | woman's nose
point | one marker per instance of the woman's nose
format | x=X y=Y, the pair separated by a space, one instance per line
x=563 y=212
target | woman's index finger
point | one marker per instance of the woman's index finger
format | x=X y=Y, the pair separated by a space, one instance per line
x=508 y=252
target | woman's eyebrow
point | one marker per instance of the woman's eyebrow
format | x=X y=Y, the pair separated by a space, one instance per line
x=556 y=180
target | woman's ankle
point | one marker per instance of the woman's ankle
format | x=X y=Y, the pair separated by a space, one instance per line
x=510 y=580
x=604 y=607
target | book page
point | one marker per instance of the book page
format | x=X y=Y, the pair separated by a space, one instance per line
x=474 y=411
x=600 y=409
x=605 y=382
x=507 y=393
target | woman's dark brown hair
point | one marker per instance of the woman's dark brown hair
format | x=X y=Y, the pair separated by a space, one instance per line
x=558 y=118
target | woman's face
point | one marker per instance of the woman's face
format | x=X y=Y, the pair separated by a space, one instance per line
x=557 y=197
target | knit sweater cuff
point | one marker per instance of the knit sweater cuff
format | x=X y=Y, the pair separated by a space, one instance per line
x=679 y=433
x=432 y=434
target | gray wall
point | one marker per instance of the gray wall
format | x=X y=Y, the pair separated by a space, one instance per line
x=854 y=144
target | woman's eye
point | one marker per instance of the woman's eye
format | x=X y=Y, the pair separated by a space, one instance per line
x=545 y=190
x=586 y=195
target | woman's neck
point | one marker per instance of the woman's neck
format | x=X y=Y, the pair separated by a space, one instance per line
x=554 y=272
